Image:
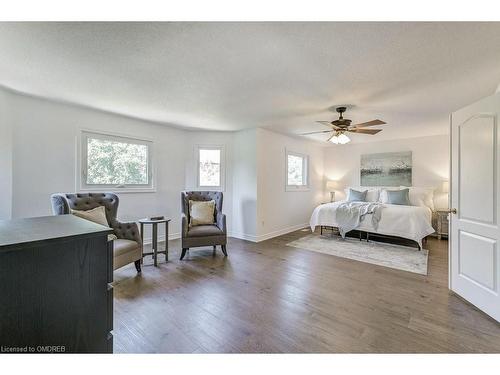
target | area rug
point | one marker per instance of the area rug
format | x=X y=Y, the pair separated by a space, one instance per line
x=393 y=256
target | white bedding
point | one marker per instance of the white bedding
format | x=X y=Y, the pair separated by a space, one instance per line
x=411 y=222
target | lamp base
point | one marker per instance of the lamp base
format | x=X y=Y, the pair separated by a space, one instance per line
x=332 y=196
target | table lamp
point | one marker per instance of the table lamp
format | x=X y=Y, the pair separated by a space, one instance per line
x=330 y=186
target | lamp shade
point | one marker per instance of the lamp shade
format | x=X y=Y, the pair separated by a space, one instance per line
x=343 y=139
x=331 y=185
x=446 y=186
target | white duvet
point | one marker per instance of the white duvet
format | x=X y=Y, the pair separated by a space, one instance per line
x=411 y=222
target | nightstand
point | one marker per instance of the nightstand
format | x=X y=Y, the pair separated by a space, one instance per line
x=442 y=223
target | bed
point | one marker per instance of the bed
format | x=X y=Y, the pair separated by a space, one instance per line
x=410 y=222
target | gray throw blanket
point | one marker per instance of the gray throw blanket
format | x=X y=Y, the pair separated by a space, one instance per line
x=350 y=214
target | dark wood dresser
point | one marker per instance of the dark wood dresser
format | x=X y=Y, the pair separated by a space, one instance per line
x=55 y=294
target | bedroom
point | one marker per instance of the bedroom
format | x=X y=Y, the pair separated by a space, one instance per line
x=211 y=180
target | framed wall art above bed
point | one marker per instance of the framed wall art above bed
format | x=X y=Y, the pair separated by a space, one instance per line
x=386 y=169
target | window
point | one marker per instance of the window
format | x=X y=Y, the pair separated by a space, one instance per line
x=296 y=172
x=114 y=161
x=210 y=167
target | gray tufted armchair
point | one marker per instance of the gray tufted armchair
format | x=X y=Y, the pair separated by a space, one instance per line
x=203 y=235
x=128 y=247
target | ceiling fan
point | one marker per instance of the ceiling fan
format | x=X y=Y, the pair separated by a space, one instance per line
x=343 y=125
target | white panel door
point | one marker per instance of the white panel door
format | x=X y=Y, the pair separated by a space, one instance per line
x=475 y=231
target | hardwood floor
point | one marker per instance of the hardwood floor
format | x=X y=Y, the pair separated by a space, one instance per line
x=269 y=298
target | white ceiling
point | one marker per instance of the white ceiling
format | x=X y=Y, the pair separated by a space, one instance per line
x=282 y=76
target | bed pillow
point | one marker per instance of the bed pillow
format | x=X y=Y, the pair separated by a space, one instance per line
x=399 y=197
x=383 y=194
x=421 y=196
x=372 y=195
x=96 y=215
x=356 y=196
x=201 y=212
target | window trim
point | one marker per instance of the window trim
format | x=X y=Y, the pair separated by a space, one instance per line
x=81 y=184
x=221 y=148
x=305 y=167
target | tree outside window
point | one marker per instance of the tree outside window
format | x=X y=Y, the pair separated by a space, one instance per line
x=296 y=171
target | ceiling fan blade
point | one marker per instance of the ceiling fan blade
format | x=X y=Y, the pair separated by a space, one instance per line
x=365 y=131
x=328 y=123
x=370 y=123
x=323 y=131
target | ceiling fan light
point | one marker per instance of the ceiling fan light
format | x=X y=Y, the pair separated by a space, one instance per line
x=343 y=139
x=334 y=139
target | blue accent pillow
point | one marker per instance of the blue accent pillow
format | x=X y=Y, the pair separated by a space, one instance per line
x=400 y=197
x=356 y=196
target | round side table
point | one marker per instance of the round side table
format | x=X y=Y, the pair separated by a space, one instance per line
x=154 y=243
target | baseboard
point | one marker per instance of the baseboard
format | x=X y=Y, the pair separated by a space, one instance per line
x=267 y=236
x=281 y=232
x=241 y=236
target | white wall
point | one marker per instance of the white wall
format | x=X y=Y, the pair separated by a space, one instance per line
x=225 y=139
x=5 y=159
x=44 y=158
x=244 y=178
x=281 y=211
x=38 y=157
x=43 y=155
x=261 y=207
x=430 y=162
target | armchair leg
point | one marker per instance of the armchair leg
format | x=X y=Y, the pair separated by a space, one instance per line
x=138 y=265
x=224 y=250
x=183 y=253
